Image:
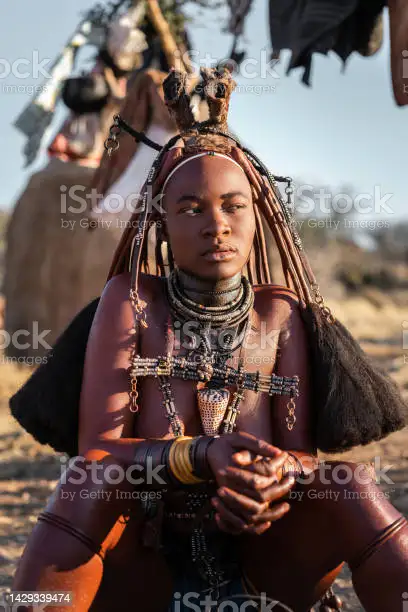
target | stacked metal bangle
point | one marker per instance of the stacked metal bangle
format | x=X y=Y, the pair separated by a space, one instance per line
x=183 y=459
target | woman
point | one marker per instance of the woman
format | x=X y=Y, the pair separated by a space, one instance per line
x=234 y=385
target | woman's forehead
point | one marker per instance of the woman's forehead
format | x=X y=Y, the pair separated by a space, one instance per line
x=208 y=171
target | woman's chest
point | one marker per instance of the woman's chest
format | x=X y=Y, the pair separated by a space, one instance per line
x=183 y=401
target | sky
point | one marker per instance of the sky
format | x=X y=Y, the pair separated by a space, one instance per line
x=344 y=130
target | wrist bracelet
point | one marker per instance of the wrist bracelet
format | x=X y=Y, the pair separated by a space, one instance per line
x=154 y=450
x=184 y=459
x=292 y=467
x=199 y=456
x=179 y=461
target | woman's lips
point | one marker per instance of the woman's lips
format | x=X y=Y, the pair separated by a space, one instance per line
x=220 y=255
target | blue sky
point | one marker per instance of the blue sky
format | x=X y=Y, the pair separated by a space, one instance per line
x=345 y=129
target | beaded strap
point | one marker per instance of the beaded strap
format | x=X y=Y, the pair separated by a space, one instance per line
x=181 y=367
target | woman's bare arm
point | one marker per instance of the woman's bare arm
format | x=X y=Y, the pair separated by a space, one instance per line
x=293 y=358
x=104 y=413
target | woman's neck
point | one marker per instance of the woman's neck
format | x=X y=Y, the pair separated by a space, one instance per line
x=209 y=292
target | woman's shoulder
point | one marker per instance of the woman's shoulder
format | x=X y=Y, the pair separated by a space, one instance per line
x=268 y=295
x=275 y=292
x=115 y=298
x=119 y=286
x=276 y=303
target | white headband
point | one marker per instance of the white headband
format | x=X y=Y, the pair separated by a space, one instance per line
x=188 y=159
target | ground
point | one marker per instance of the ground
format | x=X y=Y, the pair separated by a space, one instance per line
x=29 y=471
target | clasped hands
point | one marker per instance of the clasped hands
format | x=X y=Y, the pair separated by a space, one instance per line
x=247 y=471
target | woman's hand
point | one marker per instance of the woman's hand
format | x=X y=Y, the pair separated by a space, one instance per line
x=246 y=470
x=231 y=449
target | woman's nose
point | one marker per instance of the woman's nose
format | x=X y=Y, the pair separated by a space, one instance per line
x=216 y=224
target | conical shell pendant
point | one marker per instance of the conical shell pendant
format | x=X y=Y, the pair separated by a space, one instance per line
x=212 y=404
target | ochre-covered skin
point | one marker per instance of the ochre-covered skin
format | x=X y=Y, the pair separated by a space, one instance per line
x=294 y=561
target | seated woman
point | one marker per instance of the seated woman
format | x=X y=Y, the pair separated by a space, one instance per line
x=198 y=477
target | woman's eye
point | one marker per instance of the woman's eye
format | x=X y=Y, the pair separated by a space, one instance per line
x=233 y=207
x=190 y=211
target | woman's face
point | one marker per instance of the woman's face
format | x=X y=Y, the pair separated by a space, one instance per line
x=210 y=217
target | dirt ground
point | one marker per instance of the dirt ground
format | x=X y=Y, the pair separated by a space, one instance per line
x=29 y=471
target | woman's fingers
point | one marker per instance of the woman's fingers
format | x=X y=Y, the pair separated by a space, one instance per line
x=270 y=493
x=273 y=514
x=257 y=523
x=248 y=512
x=258 y=487
x=262 y=523
x=254 y=504
x=258 y=529
x=241 y=480
x=241 y=505
x=224 y=525
x=276 y=491
x=260 y=465
x=245 y=458
x=247 y=442
x=254 y=529
x=228 y=517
